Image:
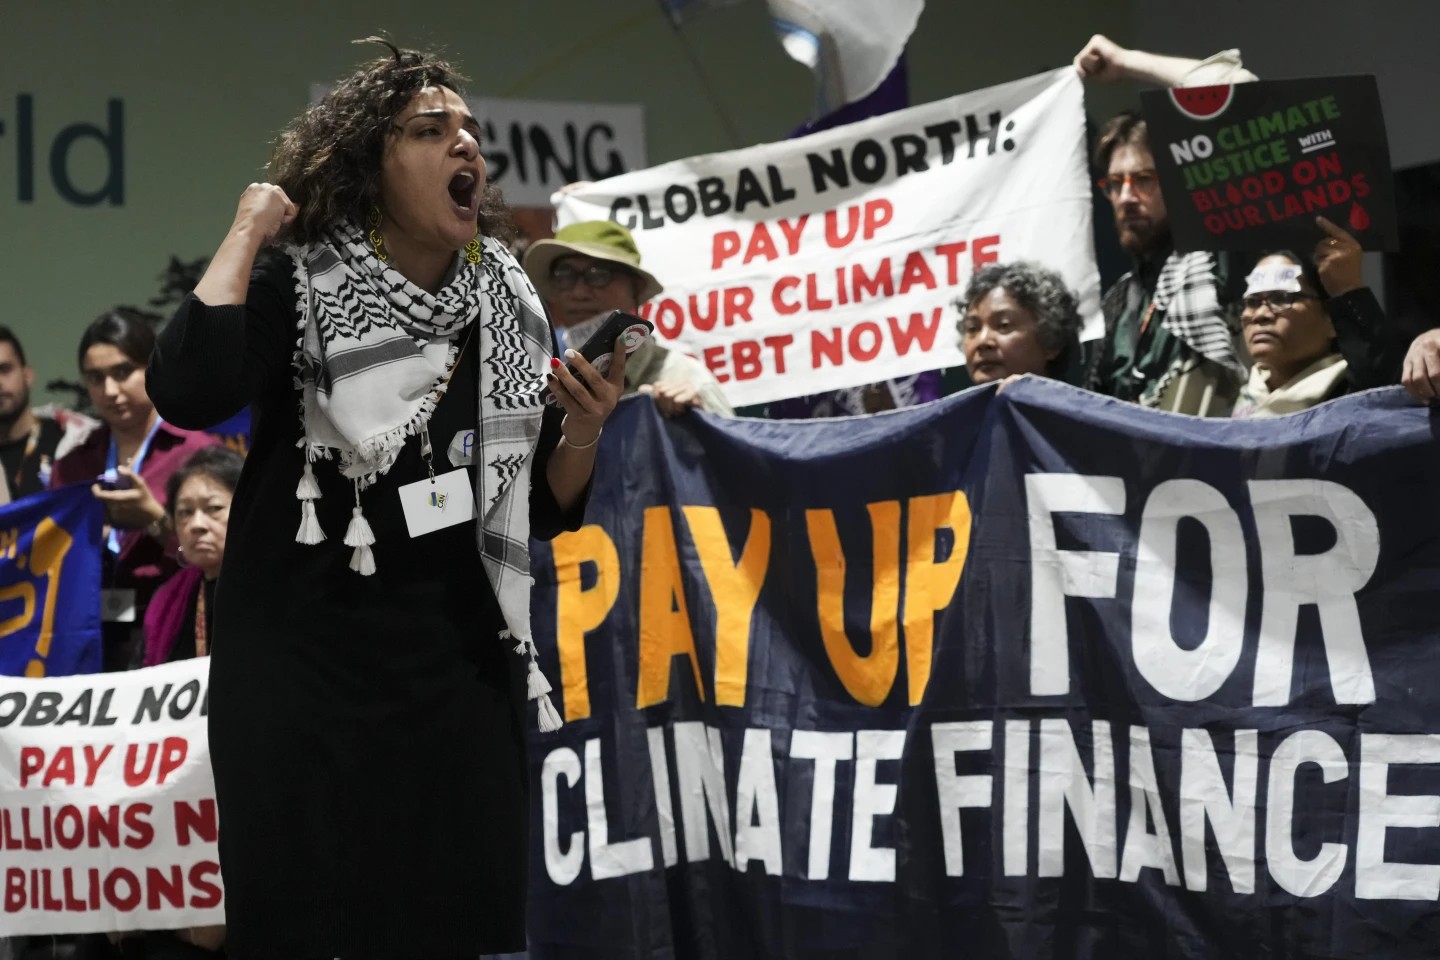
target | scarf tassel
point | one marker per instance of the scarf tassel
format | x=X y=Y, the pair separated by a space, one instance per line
x=537 y=687
x=362 y=561
x=535 y=684
x=309 y=532
x=309 y=488
x=360 y=536
x=307 y=493
x=548 y=720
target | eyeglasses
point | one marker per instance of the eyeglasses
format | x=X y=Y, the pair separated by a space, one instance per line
x=1141 y=181
x=596 y=277
x=1275 y=301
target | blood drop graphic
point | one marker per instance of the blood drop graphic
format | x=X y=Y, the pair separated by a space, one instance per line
x=1359 y=219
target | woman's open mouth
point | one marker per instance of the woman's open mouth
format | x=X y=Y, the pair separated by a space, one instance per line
x=464 y=190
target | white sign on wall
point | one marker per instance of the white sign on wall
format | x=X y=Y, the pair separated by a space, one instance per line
x=534 y=147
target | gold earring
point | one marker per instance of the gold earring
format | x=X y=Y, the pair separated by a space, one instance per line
x=377 y=242
x=472 y=249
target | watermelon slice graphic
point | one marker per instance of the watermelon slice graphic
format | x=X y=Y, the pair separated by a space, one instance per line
x=1202 y=103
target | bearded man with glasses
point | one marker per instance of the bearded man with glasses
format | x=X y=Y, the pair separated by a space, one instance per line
x=592 y=268
x=1168 y=341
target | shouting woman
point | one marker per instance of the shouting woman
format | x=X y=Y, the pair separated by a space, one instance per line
x=372 y=635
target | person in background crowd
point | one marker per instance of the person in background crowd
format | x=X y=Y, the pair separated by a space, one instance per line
x=179 y=623
x=1315 y=331
x=129 y=459
x=589 y=269
x=181 y=618
x=376 y=806
x=1167 y=342
x=1104 y=60
x=31 y=440
x=1421 y=375
x=1018 y=318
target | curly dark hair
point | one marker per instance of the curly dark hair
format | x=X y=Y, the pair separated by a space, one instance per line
x=1044 y=293
x=328 y=159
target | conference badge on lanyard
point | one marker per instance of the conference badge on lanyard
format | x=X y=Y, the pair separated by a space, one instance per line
x=438 y=501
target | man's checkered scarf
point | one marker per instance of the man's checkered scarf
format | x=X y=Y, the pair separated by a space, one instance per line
x=1185 y=293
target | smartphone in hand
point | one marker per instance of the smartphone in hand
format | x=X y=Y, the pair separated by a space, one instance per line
x=111 y=480
x=621 y=330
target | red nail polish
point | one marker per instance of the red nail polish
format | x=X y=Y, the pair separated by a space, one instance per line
x=554 y=363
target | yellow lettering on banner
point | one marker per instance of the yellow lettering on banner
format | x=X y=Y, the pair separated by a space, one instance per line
x=735 y=588
x=664 y=619
x=930 y=586
x=8 y=541
x=47 y=559
x=577 y=610
x=870 y=677
x=238 y=442
x=25 y=593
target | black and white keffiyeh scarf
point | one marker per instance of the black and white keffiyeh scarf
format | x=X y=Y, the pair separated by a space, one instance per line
x=374 y=355
x=1186 y=295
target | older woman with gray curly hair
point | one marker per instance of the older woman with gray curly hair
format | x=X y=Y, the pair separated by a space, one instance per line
x=1017 y=318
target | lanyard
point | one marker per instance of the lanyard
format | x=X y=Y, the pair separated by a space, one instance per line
x=427 y=452
x=1145 y=321
x=202 y=645
x=31 y=445
x=112 y=463
x=112 y=459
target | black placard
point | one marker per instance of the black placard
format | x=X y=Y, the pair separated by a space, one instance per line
x=1249 y=166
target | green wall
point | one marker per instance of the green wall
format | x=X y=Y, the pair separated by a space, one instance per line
x=205 y=86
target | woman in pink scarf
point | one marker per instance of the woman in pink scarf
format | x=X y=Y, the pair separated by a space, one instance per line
x=179 y=619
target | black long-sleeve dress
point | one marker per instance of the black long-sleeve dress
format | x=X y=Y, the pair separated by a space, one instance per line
x=366 y=733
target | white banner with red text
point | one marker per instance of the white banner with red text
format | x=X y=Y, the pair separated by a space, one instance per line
x=107 y=805
x=835 y=260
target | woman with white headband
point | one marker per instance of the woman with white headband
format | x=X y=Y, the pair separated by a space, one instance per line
x=1313 y=330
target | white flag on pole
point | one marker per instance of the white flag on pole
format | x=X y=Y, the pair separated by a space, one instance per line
x=850 y=44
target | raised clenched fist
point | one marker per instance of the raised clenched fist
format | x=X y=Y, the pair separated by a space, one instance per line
x=264 y=210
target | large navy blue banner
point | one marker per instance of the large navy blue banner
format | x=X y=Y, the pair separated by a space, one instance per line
x=50 y=584
x=1030 y=675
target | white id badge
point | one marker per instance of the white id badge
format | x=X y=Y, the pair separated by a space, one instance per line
x=117 y=606
x=432 y=505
